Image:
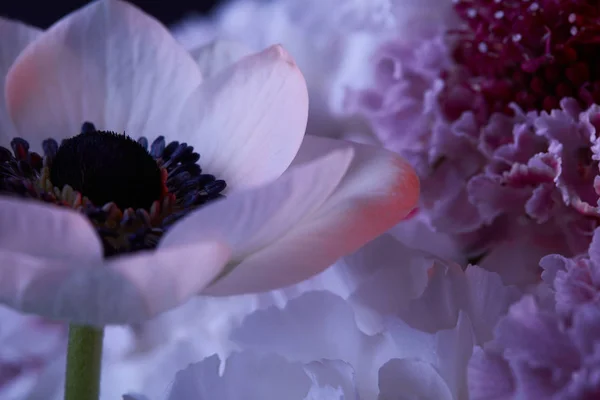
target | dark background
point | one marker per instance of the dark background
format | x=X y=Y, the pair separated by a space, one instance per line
x=42 y=13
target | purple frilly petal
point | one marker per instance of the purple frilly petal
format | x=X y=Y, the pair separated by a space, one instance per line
x=531 y=336
x=533 y=170
x=489 y=376
x=547 y=349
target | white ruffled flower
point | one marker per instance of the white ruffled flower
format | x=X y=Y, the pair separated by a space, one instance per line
x=262 y=377
x=406 y=330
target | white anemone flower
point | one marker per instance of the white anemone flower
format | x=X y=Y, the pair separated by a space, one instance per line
x=103 y=229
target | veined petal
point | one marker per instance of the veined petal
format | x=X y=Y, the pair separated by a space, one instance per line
x=47 y=232
x=108 y=63
x=14 y=37
x=377 y=191
x=124 y=290
x=248 y=121
x=219 y=54
x=253 y=220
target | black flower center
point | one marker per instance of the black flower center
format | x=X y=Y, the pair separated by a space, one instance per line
x=131 y=191
x=107 y=167
x=532 y=53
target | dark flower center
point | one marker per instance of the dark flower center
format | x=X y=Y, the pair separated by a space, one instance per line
x=105 y=167
x=132 y=192
x=533 y=53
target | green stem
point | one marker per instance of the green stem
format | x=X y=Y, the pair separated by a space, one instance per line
x=84 y=359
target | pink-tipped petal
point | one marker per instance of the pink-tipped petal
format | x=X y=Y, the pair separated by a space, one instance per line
x=107 y=63
x=14 y=37
x=377 y=191
x=319 y=211
x=248 y=120
x=253 y=220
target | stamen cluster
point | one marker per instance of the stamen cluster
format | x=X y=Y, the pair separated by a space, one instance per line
x=531 y=52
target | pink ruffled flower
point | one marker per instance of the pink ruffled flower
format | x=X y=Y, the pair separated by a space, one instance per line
x=495 y=109
x=547 y=349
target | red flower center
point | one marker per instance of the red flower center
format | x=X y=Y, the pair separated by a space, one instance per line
x=531 y=52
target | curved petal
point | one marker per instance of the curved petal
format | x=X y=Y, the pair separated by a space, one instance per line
x=417 y=233
x=219 y=54
x=376 y=192
x=107 y=63
x=246 y=376
x=254 y=219
x=397 y=275
x=121 y=291
x=47 y=232
x=247 y=122
x=411 y=379
x=454 y=348
x=488 y=300
x=314 y=326
x=14 y=37
x=252 y=376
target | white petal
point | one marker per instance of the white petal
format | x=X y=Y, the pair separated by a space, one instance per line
x=247 y=122
x=439 y=305
x=488 y=300
x=376 y=192
x=317 y=325
x=453 y=349
x=247 y=376
x=448 y=351
x=152 y=372
x=47 y=232
x=213 y=317
x=107 y=63
x=219 y=54
x=332 y=380
x=411 y=343
x=253 y=219
x=417 y=233
x=396 y=275
x=123 y=290
x=411 y=379
x=14 y=37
